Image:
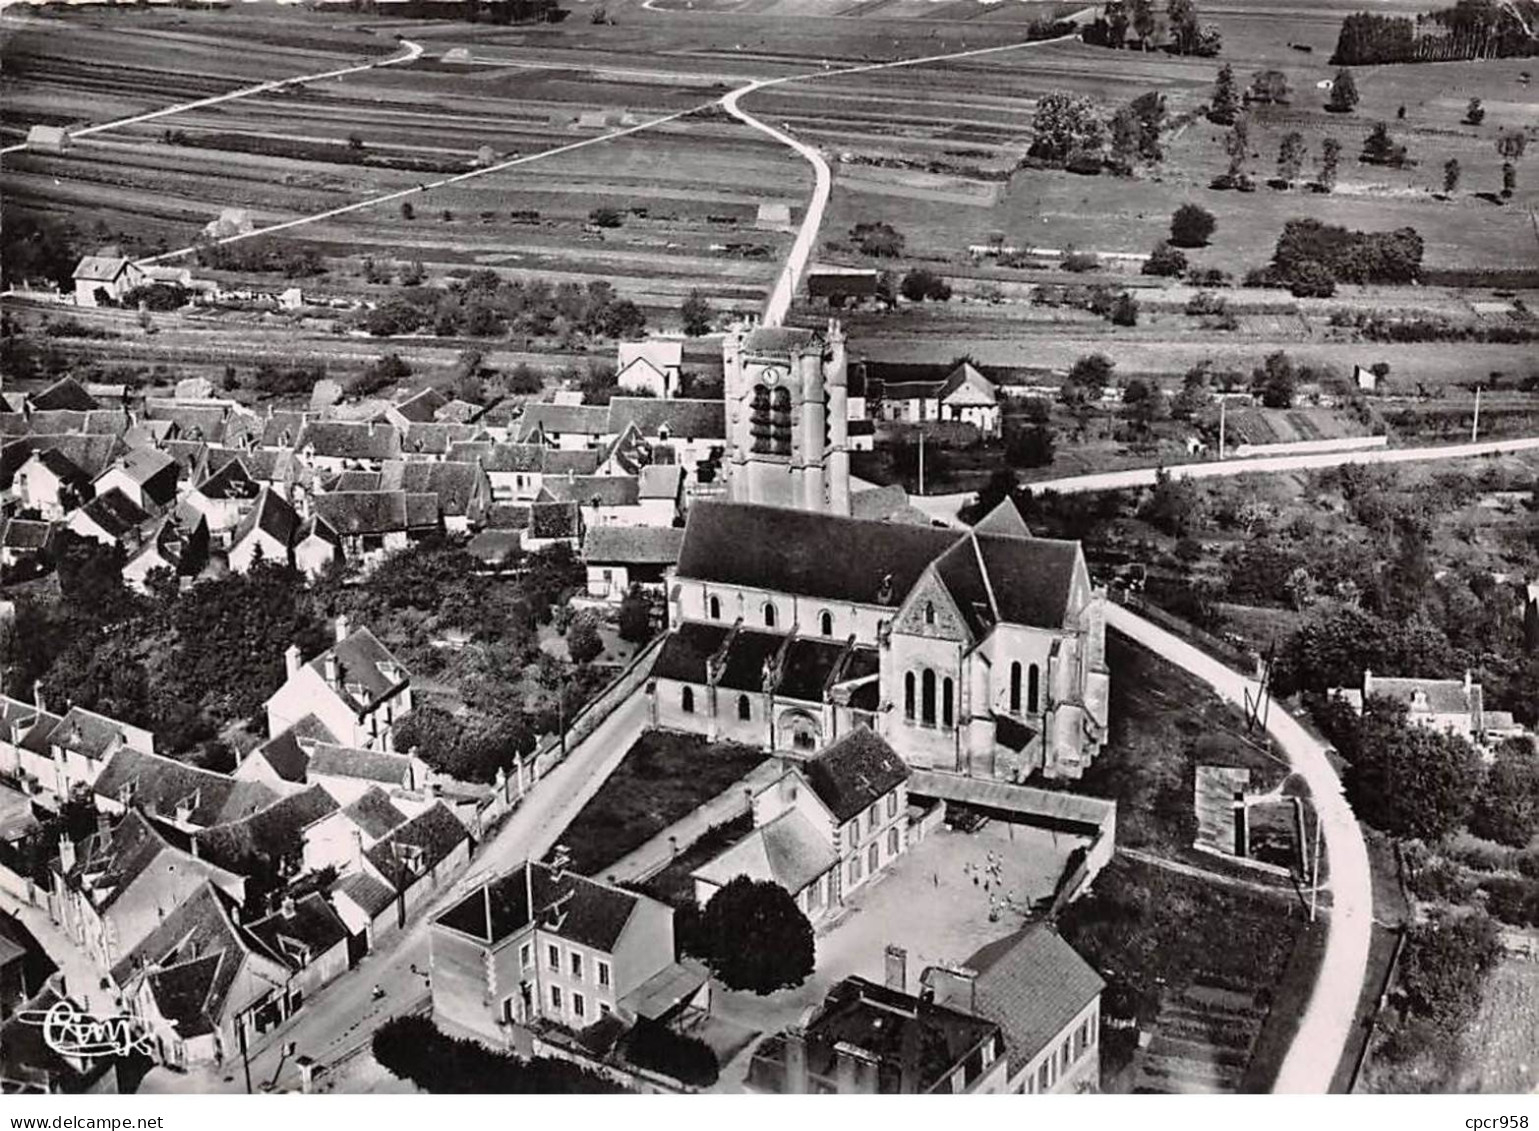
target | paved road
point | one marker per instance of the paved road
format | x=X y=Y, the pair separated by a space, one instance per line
x=345 y=1012
x=944 y=508
x=1332 y=1008
x=408 y=52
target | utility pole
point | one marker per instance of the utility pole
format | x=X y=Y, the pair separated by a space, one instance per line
x=1314 y=879
x=1222 y=406
x=245 y=1060
x=1475 y=425
x=921 y=459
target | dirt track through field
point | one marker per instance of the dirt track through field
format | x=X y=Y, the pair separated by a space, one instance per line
x=409 y=51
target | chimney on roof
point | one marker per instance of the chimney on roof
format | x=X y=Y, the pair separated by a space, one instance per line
x=1367 y=683
x=1469 y=683
x=66 y=852
x=343 y=627
x=287 y=907
x=37 y=695
x=291 y=661
x=854 y=1070
x=884 y=591
x=897 y=969
x=332 y=677
x=953 y=986
x=795 y=1080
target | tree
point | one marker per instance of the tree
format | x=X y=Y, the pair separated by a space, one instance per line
x=922 y=284
x=410 y=1047
x=1268 y=87
x=653 y=1045
x=1474 y=113
x=1029 y=447
x=1444 y=966
x=1511 y=144
x=407 y=211
x=1312 y=279
x=1087 y=379
x=1184 y=29
x=1124 y=311
x=623 y=319
x=1344 y=96
x=1225 y=105
x=583 y=640
x=1509 y=178
x=413 y=274
x=1191 y=226
x=635 y=617
x=1064 y=124
x=696 y=314
x=1141 y=16
x=1275 y=380
x=1124 y=139
x=1409 y=781
x=877 y=239
x=1507 y=807
x=1381 y=149
x=1290 y=156
x=1451 y=175
x=755 y=937
x=603 y=217
x=1237 y=148
x=1173 y=506
x=1149 y=114
x=1165 y=261
x=1330 y=158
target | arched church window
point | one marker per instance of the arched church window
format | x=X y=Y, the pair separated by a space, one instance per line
x=908 y=696
x=929 y=612
x=927 y=698
x=769 y=614
x=946 y=702
x=1015 y=687
x=687 y=700
x=715 y=607
x=1033 y=682
x=826 y=623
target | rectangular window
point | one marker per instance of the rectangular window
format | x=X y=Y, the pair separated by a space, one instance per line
x=526 y=956
x=1042 y=1084
x=604 y=1010
x=892 y=804
x=873 y=815
x=892 y=842
x=874 y=858
x=603 y=971
x=553 y=957
x=1065 y=1051
x=855 y=832
x=815 y=895
x=854 y=870
x=579 y=1007
x=576 y=966
x=555 y=998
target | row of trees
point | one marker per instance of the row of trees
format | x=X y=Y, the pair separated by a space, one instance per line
x=1068 y=131
x=1471 y=29
x=485 y=305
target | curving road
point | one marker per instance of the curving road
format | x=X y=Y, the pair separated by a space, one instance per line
x=801 y=250
x=408 y=52
x=1329 y=1017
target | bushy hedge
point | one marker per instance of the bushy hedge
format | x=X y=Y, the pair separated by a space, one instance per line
x=411 y=1048
x=686 y=1059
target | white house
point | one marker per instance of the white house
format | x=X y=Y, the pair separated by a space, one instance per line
x=618 y=557
x=356 y=688
x=50 y=483
x=965 y=395
x=652 y=366
x=104 y=278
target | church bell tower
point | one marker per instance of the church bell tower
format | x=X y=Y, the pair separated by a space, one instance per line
x=787 y=417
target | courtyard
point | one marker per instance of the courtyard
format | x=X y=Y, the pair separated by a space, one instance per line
x=945 y=898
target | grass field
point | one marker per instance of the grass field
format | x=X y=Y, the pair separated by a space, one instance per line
x=662 y=778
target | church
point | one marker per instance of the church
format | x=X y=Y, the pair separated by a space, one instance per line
x=978 y=652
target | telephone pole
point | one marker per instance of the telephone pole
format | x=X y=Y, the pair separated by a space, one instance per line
x=1475 y=425
x=1222 y=406
x=921 y=459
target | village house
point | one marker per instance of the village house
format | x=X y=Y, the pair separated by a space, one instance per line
x=842 y=286
x=310 y=939
x=274 y=842
x=273 y=532
x=517 y=471
x=544 y=944
x=50 y=483
x=652 y=366
x=619 y=557
x=339 y=839
x=870 y=1039
x=102 y=280
x=824 y=828
x=687 y=431
x=1047 y=1001
x=112 y=519
x=335 y=445
x=347 y=773
x=660 y=494
x=964 y=395
x=413 y=862
x=571 y=427
x=1452 y=706
x=176 y=543
x=990 y=643
x=25 y=546
x=224 y=498
x=184 y=797
x=374 y=524
x=603 y=500
x=356 y=688
x=74 y=752
x=24 y=752
x=147 y=476
x=112 y=889
x=463 y=490
x=204 y=987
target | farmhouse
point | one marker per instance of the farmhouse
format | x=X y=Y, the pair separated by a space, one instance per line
x=24 y=544
x=1449 y=705
x=964 y=395
x=112 y=519
x=176 y=543
x=839 y=287
x=102 y=280
x=50 y=483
